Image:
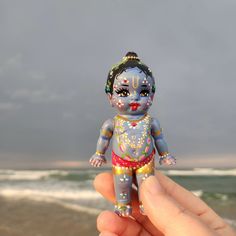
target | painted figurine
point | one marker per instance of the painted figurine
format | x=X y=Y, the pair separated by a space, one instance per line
x=130 y=89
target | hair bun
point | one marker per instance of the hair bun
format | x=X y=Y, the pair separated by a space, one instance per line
x=131 y=56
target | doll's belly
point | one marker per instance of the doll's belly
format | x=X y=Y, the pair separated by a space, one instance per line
x=127 y=152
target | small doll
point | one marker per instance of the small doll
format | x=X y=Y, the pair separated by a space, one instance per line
x=130 y=89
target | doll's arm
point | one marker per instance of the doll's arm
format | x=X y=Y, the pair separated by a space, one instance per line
x=160 y=144
x=105 y=136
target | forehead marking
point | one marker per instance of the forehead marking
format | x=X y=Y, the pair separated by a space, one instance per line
x=135 y=82
x=125 y=81
x=145 y=81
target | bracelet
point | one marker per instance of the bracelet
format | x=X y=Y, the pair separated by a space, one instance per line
x=99 y=153
x=165 y=155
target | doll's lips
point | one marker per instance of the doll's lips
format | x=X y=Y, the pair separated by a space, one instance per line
x=134 y=106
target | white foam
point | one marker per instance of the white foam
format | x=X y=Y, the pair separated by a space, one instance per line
x=197 y=193
x=29 y=174
x=231 y=222
x=49 y=199
x=221 y=196
x=55 y=194
x=202 y=172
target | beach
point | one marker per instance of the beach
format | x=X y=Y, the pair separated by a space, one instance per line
x=19 y=217
x=65 y=203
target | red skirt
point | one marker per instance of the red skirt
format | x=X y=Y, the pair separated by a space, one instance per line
x=119 y=161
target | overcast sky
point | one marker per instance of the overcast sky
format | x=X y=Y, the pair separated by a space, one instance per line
x=55 y=56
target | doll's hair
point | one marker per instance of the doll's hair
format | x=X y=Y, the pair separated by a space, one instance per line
x=130 y=60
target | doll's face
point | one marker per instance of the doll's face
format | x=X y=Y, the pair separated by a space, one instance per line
x=132 y=92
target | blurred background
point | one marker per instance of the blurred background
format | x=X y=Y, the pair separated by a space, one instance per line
x=55 y=56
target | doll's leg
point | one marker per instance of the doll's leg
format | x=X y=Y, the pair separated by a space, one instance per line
x=123 y=184
x=141 y=174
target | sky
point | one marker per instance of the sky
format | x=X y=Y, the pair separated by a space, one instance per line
x=54 y=60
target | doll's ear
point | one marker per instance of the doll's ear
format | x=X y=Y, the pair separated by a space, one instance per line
x=109 y=96
x=152 y=97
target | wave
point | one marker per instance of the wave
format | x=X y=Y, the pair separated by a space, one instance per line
x=71 y=193
x=29 y=174
x=197 y=193
x=32 y=175
x=49 y=199
x=217 y=196
x=231 y=222
x=56 y=194
x=202 y=172
x=83 y=175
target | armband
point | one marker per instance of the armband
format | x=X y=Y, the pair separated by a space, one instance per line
x=106 y=133
x=157 y=134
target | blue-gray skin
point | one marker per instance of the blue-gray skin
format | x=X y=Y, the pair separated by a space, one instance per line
x=136 y=87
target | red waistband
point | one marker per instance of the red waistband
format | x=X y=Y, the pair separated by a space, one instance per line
x=119 y=161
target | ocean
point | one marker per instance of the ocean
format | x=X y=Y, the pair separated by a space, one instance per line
x=73 y=190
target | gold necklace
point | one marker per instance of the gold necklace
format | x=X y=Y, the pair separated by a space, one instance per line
x=126 y=119
x=133 y=142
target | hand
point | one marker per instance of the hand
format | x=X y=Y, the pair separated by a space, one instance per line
x=171 y=210
x=167 y=160
x=97 y=160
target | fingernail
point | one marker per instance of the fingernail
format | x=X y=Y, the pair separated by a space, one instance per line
x=152 y=185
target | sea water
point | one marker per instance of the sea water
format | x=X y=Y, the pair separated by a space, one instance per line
x=74 y=188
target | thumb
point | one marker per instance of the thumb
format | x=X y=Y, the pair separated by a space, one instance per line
x=166 y=214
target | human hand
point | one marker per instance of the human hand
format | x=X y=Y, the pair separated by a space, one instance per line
x=171 y=211
x=97 y=160
x=167 y=160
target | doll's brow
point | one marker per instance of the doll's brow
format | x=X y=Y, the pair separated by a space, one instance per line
x=143 y=85
x=126 y=85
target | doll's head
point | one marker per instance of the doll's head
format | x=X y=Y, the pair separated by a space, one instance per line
x=130 y=86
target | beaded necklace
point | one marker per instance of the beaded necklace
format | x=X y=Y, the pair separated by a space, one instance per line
x=122 y=123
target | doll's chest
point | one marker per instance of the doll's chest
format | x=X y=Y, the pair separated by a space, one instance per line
x=134 y=133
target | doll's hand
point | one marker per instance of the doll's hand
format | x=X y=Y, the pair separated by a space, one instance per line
x=167 y=160
x=170 y=210
x=97 y=160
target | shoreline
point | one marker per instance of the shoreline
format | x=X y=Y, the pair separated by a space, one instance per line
x=24 y=217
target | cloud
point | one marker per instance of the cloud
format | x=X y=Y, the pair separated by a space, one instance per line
x=54 y=62
x=9 y=106
x=11 y=63
x=68 y=115
x=37 y=75
x=43 y=95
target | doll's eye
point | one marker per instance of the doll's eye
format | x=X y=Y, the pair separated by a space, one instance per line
x=144 y=93
x=122 y=92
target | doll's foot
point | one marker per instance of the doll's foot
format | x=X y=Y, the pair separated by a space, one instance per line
x=124 y=210
x=141 y=209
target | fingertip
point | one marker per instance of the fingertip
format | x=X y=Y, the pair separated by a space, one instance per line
x=103 y=183
x=100 y=220
x=151 y=186
x=99 y=180
x=106 y=233
x=107 y=221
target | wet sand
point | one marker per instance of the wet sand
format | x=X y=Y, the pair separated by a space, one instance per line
x=33 y=218
x=23 y=217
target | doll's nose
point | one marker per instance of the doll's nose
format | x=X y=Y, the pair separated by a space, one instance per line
x=135 y=96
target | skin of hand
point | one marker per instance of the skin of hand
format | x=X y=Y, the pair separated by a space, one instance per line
x=170 y=210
